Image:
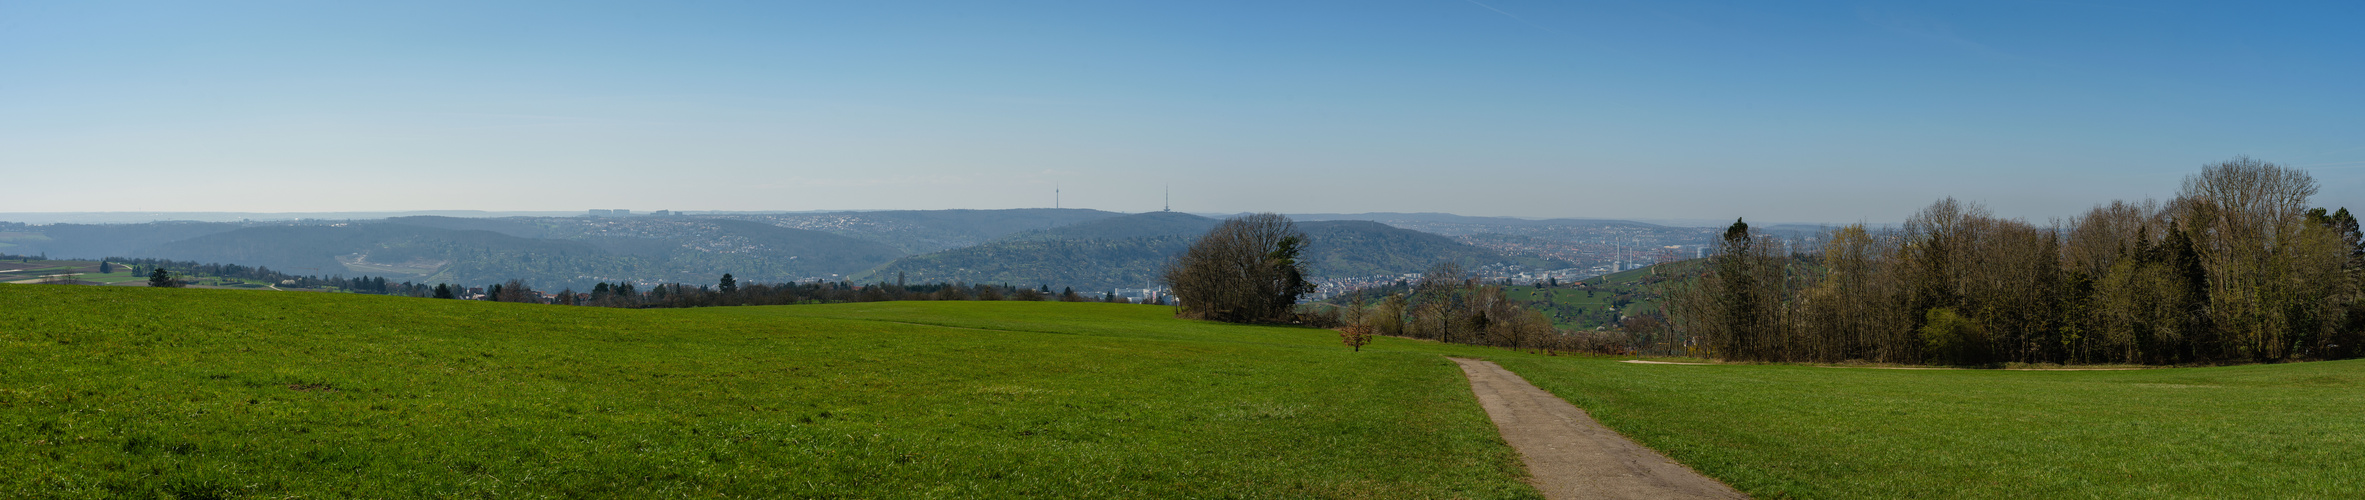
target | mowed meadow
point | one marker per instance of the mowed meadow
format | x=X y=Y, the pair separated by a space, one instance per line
x=108 y=392
x=1791 y=431
x=218 y=393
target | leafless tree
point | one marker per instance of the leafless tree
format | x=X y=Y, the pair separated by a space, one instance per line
x=2244 y=215
x=516 y=291
x=1244 y=270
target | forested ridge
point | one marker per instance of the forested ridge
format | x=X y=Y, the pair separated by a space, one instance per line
x=1129 y=251
x=436 y=254
x=923 y=231
x=2236 y=268
x=1092 y=264
x=1353 y=248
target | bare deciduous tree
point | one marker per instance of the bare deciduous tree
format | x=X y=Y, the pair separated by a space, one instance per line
x=2236 y=268
x=1244 y=270
x=2243 y=214
x=515 y=291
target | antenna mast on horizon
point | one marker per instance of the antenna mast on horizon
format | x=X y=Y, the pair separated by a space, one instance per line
x=1169 y=197
x=1055 y=196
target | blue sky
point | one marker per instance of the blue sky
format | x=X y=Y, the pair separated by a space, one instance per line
x=1778 y=111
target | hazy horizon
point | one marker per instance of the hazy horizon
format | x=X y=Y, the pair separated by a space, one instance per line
x=133 y=217
x=1816 y=111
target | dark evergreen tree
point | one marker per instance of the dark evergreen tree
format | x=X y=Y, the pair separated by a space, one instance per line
x=2184 y=262
x=2349 y=231
x=728 y=285
x=443 y=291
x=1738 y=292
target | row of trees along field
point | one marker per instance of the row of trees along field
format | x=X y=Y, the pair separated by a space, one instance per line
x=185 y=270
x=730 y=292
x=1247 y=270
x=727 y=292
x=2236 y=268
x=1450 y=305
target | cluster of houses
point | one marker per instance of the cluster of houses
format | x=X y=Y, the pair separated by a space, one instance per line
x=620 y=212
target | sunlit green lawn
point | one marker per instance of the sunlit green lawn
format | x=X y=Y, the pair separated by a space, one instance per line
x=154 y=392
x=131 y=391
x=2263 y=431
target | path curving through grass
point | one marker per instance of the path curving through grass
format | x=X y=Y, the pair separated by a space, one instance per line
x=1570 y=456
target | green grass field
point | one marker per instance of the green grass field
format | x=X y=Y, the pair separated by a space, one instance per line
x=2260 y=431
x=132 y=391
x=36 y=271
x=176 y=392
x=120 y=276
x=88 y=271
x=15 y=270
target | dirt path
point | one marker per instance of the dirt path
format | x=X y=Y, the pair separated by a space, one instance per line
x=1570 y=455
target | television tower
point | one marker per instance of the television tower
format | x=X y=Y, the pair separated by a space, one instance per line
x=1055 y=195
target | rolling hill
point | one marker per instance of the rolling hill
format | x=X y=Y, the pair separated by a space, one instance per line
x=1352 y=248
x=1141 y=225
x=1086 y=249
x=923 y=231
x=490 y=251
x=104 y=240
x=1129 y=252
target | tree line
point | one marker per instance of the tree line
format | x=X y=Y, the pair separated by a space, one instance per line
x=1247 y=270
x=1619 y=302
x=2236 y=268
x=180 y=271
x=1448 y=304
x=729 y=291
